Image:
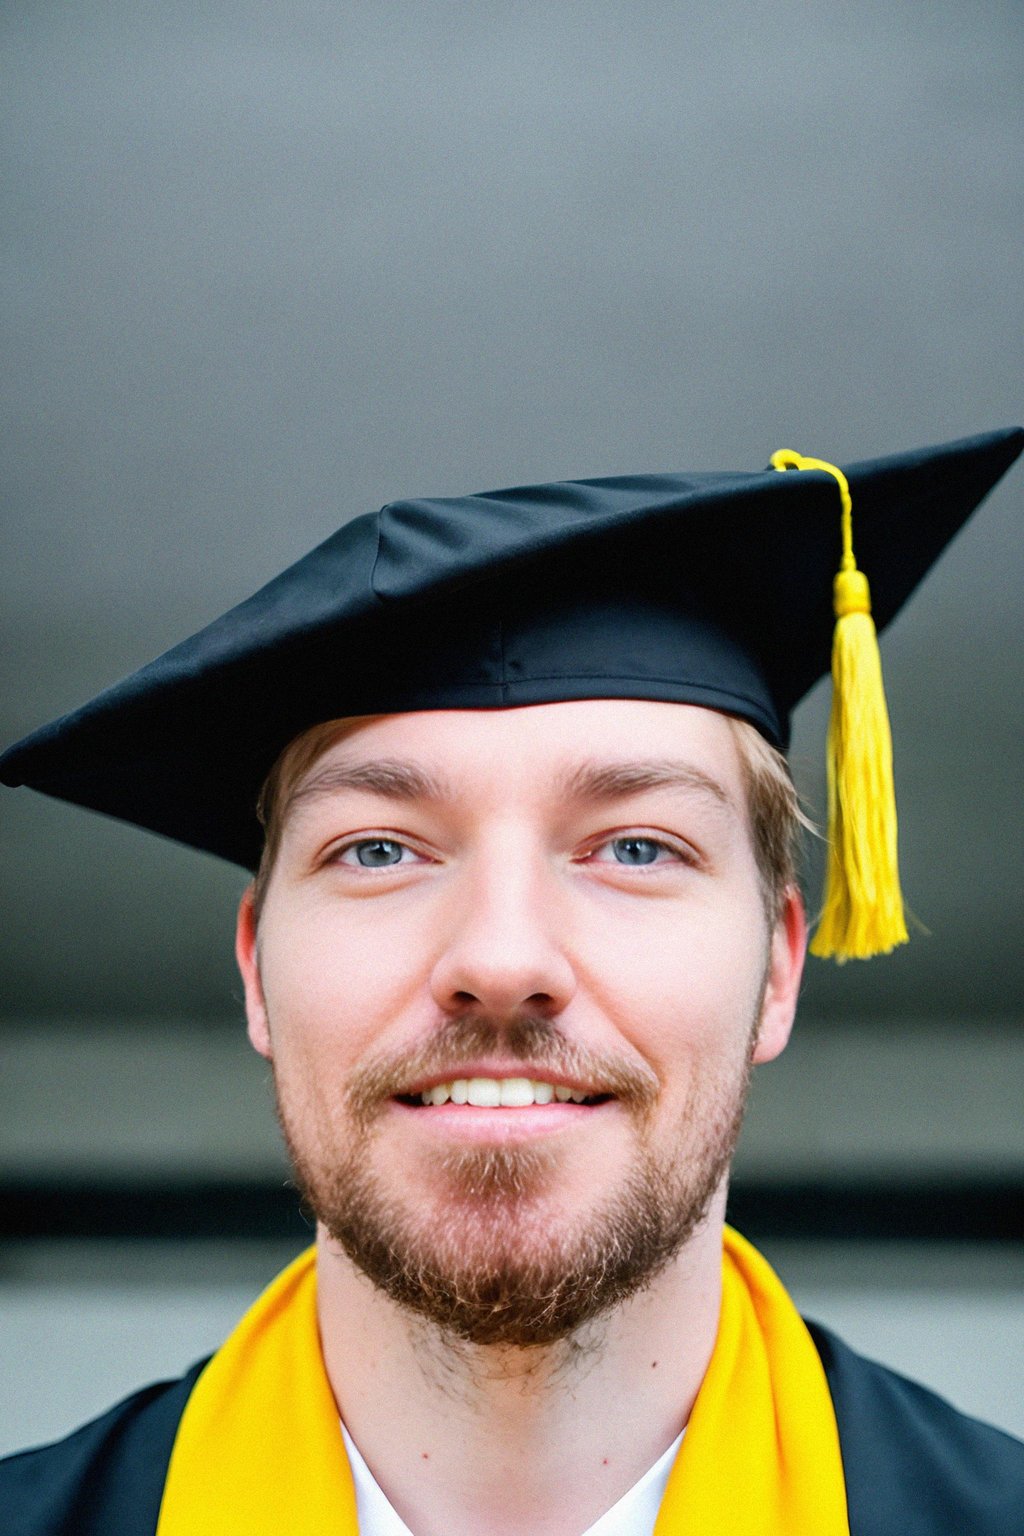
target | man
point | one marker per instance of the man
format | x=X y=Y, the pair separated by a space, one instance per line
x=523 y=918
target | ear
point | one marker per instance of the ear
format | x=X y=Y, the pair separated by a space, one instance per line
x=248 y=964
x=782 y=988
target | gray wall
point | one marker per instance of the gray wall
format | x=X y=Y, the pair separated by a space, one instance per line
x=266 y=267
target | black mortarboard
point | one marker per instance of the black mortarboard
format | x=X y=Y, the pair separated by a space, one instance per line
x=709 y=588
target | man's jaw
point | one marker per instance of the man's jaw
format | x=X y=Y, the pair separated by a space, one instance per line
x=515 y=1225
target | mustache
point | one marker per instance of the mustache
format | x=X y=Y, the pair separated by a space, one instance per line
x=462 y=1039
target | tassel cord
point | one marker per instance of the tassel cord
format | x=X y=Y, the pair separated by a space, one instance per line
x=862 y=911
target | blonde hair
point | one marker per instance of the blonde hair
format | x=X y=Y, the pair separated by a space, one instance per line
x=776 y=819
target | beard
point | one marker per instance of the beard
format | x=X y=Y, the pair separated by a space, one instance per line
x=485 y=1260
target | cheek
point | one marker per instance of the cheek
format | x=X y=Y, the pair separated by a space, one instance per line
x=682 y=985
x=677 y=947
x=330 y=988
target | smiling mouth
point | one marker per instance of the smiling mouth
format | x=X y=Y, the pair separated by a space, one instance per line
x=500 y=1093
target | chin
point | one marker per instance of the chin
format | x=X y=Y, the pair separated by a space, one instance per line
x=501 y=1256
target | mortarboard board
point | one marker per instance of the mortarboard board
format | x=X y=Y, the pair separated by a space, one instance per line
x=708 y=588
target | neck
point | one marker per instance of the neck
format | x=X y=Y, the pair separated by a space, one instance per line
x=468 y=1438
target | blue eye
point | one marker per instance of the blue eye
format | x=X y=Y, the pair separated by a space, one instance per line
x=635 y=850
x=374 y=853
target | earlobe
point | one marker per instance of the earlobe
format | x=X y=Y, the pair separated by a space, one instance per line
x=248 y=965
x=785 y=969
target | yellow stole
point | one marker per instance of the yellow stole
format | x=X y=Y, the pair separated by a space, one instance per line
x=259 y=1449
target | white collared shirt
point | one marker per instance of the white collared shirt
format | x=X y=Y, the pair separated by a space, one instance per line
x=632 y=1515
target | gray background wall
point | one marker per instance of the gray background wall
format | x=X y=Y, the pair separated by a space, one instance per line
x=268 y=266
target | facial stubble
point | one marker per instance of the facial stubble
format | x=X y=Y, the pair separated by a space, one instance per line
x=488 y=1264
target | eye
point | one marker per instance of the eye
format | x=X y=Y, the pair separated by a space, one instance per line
x=635 y=851
x=374 y=853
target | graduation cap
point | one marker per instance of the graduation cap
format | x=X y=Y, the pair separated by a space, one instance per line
x=713 y=589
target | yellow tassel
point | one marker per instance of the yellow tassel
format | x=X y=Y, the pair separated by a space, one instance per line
x=862 y=914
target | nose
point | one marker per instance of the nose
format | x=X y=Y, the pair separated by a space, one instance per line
x=504 y=952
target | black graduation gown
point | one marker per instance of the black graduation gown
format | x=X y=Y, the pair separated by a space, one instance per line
x=914 y=1466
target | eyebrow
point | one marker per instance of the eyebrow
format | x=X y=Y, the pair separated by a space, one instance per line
x=391 y=778
x=597 y=782
x=614 y=781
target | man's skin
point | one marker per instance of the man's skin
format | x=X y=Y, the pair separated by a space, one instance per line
x=509 y=898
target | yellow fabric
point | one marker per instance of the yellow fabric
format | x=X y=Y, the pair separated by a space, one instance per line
x=761 y=1452
x=862 y=913
x=259 y=1449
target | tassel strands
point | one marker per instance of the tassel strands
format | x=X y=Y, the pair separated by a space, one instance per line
x=862 y=913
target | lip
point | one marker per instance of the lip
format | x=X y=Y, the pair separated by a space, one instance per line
x=474 y=1125
x=534 y=1072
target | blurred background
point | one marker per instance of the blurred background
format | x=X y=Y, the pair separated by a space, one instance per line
x=267 y=266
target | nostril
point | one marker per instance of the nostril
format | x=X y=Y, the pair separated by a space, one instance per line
x=501 y=980
x=536 y=1002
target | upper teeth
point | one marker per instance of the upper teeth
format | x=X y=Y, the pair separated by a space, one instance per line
x=491 y=1092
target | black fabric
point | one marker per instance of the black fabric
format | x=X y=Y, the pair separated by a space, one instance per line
x=106 y=1479
x=914 y=1466
x=712 y=589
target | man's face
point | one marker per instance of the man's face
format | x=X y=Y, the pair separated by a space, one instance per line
x=533 y=906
